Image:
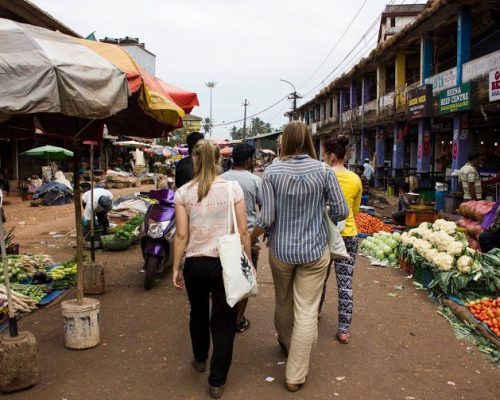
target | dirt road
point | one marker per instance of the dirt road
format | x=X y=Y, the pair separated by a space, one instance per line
x=400 y=347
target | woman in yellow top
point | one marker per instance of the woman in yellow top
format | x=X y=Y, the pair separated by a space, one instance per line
x=352 y=188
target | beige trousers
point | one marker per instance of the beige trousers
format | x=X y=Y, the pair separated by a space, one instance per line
x=298 y=289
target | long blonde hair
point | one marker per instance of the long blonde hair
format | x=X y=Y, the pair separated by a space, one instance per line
x=205 y=162
x=296 y=140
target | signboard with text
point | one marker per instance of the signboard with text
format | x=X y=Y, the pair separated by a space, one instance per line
x=455 y=99
x=494 y=85
x=420 y=102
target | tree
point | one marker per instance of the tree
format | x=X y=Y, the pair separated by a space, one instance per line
x=259 y=127
x=236 y=133
x=207 y=125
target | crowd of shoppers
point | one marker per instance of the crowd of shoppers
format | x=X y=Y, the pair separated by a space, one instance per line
x=292 y=196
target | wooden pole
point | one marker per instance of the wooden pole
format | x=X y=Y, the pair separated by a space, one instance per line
x=12 y=316
x=92 y=243
x=78 y=220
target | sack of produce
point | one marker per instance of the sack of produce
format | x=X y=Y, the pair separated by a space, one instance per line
x=475 y=209
x=472 y=227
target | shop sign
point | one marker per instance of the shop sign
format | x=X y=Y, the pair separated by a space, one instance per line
x=420 y=102
x=480 y=66
x=455 y=99
x=443 y=80
x=494 y=85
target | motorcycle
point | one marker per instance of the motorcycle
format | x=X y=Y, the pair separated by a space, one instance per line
x=158 y=236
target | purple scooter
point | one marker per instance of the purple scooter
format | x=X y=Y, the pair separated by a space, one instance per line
x=159 y=231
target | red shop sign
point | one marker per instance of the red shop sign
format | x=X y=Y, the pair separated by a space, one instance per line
x=455 y=150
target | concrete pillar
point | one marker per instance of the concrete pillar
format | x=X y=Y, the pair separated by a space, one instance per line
x=342 y=104
x=460 y=148
x=426 y=57
x=400 y=81
x=379 y=157
x=380 y=83
x=353 y=95
x=464 y=28
x=461 y=137
x=335 y=100
x=398 y=150
x=424 y=151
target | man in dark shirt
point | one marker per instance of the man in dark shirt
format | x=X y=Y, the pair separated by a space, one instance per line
x=184 y=170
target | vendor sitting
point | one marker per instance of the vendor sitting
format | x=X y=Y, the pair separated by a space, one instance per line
x=490 y=238
x=403 y=204
x=103 y=203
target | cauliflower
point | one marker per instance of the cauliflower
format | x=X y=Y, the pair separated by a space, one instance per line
x=445 y=226
x=443 y=261
x=455 y=248
x=464 y=264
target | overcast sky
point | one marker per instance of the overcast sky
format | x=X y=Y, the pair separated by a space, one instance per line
x=244 y=46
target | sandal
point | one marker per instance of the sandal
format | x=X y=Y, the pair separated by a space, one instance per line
x=242 y=325
x=343 y=337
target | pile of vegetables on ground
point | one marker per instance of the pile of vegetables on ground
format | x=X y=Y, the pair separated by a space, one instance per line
x=32 y=278
x=382 y=247
x=473 y=212
x=369 y=225
x=487 y=310
x=443 y=249
x=130 y=229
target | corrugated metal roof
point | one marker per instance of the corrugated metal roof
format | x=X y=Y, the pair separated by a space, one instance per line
x=404 y=8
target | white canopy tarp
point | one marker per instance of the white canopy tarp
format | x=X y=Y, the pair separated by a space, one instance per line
x=46 y=71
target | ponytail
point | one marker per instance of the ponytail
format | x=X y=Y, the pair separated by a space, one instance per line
x=205 y=158
x=337 y=146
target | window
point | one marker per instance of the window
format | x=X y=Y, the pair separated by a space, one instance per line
x=393 y=22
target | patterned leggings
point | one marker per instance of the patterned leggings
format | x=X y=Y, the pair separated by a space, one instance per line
x=344 y=268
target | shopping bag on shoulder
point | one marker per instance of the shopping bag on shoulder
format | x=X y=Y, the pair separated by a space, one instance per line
x=240 y=278
x=335 y=241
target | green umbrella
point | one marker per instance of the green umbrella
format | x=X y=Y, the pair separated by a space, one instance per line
x=50 y=153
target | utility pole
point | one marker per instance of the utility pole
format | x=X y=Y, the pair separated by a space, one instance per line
x=293 y=96
x=245 y=104
x=211 y=85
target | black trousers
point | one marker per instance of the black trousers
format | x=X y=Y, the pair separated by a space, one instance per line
x=489 y=240
x=203 y=278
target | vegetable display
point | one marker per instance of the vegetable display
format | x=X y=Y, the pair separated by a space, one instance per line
x=445 y=250
x=23 y=267
x=382 y=246
x=129 y=229
x=369 y=225
x=20 y=302
x=32 y=291
x=63 y=276
x=487 y=311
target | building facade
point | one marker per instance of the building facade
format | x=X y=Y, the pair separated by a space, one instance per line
x=424 y=99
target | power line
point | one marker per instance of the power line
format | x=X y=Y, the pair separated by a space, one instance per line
x=254 y=115
x=355 y=46
x=336 y=44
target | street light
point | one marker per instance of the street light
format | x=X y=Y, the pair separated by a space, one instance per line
x=211 y=85
x=293 y=96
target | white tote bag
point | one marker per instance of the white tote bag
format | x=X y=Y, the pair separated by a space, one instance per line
x=240 y=278
x=335 y=241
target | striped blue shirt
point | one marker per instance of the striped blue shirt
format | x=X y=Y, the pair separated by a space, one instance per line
x=294 y=193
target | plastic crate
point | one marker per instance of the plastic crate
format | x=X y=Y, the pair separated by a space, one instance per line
x=110 y=242
x=423 y=276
